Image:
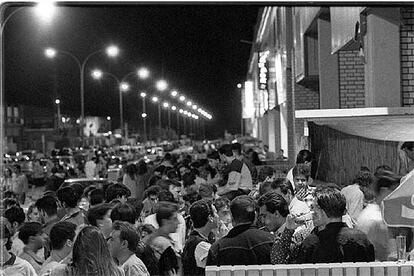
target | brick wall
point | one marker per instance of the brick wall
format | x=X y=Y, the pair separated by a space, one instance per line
x=407 y=56
x=351 y=80
x=307 y=97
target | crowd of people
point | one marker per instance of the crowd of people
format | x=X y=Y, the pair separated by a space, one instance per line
x=178 y=215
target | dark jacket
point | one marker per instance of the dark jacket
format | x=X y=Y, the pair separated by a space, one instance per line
x=189 y=262
x=243 y=245
x=336 y=243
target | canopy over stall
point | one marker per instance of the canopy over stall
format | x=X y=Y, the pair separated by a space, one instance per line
x=379 y=123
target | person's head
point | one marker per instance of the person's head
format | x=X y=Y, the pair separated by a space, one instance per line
x=124 y=212
x=284 y=188
x=274 y=208
x=172 y=175
x=15 y=216
x=10 y=194
x=159 y=171
x=204 y=214
x=47 y=207
x=183 y=169
x=188 y=179
x=31 y=234
x=62 y=237
x=166 y=216
x=408 y=147
x=243 y=210
x=301 y=173
x=5 y=237
x=266 y=148
x=67 y=197
x=117 y=191
x=96 y=196
x=145 y=230
x=237 y=149
x=304 y=157
x=78 y=188
x=226 y=153
x=329 y=204
x=9 y=202
x=265 y=172
x=222 y=205
x=386 y=182
x=91 y=254
x=363 y=178
x=166 y=196
x=100 y=216
x=33 y=214
x=123 y=239
x=206 y=190
x=213 y=159
x=265 y=187
x=142 y=167
x=175 y=188
x=152 y=193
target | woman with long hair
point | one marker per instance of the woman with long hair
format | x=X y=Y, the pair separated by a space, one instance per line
x=90 y=256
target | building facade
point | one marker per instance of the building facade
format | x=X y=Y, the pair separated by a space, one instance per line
x=346 y=72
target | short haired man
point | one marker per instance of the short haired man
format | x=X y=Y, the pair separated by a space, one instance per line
x=16 y=217
x=62 y=237
x=100 y=216
x=124 y=212
x=178 y=236
x=11 y=264
x=31 y=235
x=336 y=243
x=274 y=209
x=239 y=180
x=301 y=176
x=117 y=191
x=405 y=160
x=222 y=205
x=96 y=196
x=204 y=216
x=47 y=207
x=123 y=242
x=21 y=186
x=69 y=200
x=244 y=244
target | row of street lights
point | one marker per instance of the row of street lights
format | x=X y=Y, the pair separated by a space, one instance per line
x=123 y=86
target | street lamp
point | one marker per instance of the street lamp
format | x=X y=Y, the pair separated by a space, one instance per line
x=57 y=102
x=144 y=114
x=111 y=51
x=174 y=93
x=189 y=103
x=161 y=85
x=143 y=73
x=182 y=98
x=122 y=87
x=194 y=106
x=108 y=118
x=155 y=100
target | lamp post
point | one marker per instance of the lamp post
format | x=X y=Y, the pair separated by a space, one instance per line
x=156 y=100
x=44 y=9
x=122 y=86
x=144 y=114
x=111 y=51
x=57 y=102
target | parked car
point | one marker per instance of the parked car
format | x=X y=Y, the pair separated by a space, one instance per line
x=68 y=162
x=100 y=183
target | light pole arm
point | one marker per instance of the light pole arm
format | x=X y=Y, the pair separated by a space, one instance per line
x=8 y=17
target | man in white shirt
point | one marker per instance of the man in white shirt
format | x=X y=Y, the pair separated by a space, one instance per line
x=123 y=243
x=15 y=216
x=205 y=220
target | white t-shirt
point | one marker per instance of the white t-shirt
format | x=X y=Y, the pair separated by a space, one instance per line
x=178 y=237
x=201 y=253
x=134 y=267
x=90 y=169
x=18 y=267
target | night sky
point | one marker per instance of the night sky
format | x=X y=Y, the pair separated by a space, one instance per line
x=196 y=48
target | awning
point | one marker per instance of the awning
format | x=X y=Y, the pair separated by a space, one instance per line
x=379 y=123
